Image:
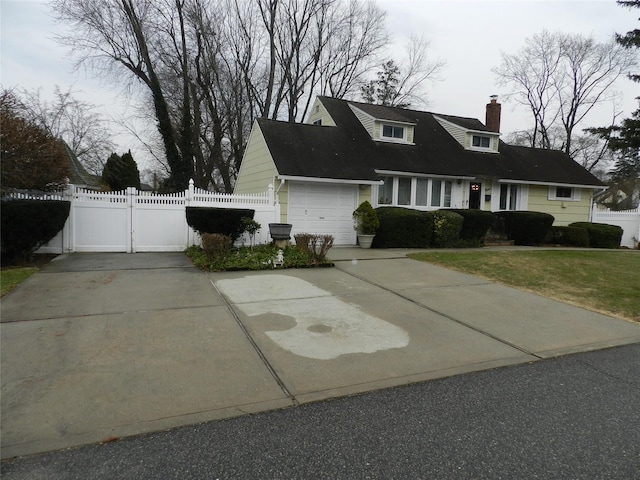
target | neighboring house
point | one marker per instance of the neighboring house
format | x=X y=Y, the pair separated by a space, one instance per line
x=349 y=152
x=78 y=175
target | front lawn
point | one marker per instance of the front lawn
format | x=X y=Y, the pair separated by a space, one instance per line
x=607 y=282
x=10 y=278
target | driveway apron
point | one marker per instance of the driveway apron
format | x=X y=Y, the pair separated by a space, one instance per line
x=98 y=346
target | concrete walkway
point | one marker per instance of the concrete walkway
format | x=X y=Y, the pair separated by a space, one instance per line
x=100 y=346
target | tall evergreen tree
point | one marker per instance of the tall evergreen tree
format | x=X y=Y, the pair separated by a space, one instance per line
x=121 y=172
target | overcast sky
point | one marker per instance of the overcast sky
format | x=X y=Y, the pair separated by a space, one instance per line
x=468 y=35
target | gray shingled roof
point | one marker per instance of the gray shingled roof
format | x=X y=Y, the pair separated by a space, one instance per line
x=347 y=152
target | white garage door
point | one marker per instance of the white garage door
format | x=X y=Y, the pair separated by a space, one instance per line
x=323 y=209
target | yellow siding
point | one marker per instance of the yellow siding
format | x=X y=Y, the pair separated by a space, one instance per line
x=564 y=212
x=318 y=112
x=257 y=170
x=364 y=193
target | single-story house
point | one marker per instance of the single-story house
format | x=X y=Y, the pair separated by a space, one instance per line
x=348 y=152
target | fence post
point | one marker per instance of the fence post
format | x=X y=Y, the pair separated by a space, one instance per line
x=131 y=220
x=188 y=198
x=68 y=237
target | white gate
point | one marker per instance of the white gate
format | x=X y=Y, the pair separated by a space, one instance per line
x=133 y=221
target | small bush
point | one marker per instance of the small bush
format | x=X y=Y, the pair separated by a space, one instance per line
x=403 y=228
x=601 y=235
x=260 y=257
x=526 y=228
x=475 y=225
x=568 y=236
x=446 y=228
x=316 y=246
x=28 y=224
x=216 y=246
x=366 y=219
x=225 y=221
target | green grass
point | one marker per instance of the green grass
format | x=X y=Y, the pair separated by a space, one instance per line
x=10 y=278
x=607 y=282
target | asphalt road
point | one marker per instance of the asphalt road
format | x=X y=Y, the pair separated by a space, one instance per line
x=573 y=417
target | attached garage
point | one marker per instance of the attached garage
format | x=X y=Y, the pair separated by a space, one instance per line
x=323 y=208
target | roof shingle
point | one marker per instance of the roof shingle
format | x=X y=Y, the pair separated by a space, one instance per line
x=347 y=152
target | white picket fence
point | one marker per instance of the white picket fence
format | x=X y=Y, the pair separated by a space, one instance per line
x=135 y=221
x=629 y=220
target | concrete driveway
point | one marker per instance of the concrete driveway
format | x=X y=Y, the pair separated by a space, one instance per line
x=100 y=346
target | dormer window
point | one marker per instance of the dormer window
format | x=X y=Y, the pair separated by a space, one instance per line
x=480 y=141
x=393 y=132
x=317 y=122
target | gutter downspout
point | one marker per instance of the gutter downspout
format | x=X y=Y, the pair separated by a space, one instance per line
x=277 y=199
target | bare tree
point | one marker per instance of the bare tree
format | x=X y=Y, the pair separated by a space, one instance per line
x=76 y=122
x=355 y=40
x=114 y=33
x=209 y=67
x=561 y=78
x=403 y=85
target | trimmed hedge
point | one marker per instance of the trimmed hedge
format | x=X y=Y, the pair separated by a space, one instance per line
x=403 y=228
x=225 y=221
x=28 y=224
x=476 y=224
x=568 y=236
x=601 y=235
x=526 y=228
x=446 y=228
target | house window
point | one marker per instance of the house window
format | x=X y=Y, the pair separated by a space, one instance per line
x=508 y=197
x=385 y=192
x=404 y=191
x=317 y=122
x=393 y=131
x=564 y=193
x=422 y=192
x=419 y=192
x=481 y=141
x=441 y=193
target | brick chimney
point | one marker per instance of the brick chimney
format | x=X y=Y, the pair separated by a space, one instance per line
x=493 y=114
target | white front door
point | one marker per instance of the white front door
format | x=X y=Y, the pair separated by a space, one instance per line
x=323 y=208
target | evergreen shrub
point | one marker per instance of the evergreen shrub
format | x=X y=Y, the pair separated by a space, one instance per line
x=446 y=228
x=475 y=225
x=526 y=228
x=568 y=236
x=26 y=225
x=225 y=221
x=601 y=235
x=403 y=228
